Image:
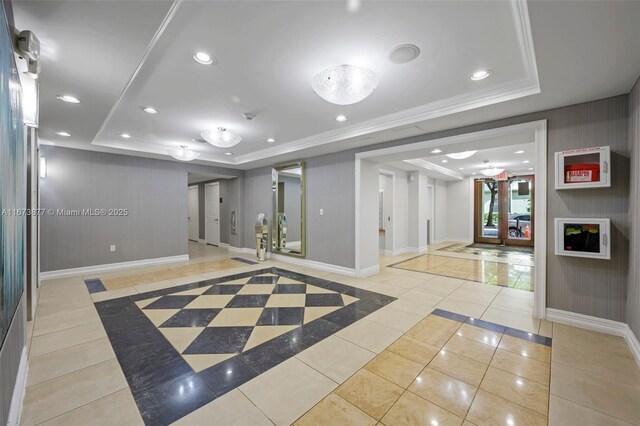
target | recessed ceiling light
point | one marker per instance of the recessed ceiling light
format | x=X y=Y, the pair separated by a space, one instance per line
x=480 y=75
x=445 y=161
x=526 y=161
x=125 y=135
x=228 y=153
x=203 y=58
x=150 y=110
x=473 y=173
x=271 y=140
x=530 y=168
x=404 y=53
x=461 y=155
x=436 y=151
x=69 y=98
x=341 y=118
x=461 y=168
x=519 y=152
x=65 y=134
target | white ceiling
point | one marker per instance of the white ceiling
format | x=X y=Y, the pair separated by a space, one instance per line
x=118 y=56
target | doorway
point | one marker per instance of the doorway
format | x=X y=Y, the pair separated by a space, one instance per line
x=504 y=211
x=212 y=213
x=193 y=215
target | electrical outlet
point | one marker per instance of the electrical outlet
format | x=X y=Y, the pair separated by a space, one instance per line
x=321 y=212
x=113 y=248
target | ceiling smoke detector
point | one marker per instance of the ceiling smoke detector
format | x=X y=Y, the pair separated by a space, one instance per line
x=404 y=53
x=249 y=115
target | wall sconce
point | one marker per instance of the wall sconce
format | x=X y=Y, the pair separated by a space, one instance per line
x=43 y=167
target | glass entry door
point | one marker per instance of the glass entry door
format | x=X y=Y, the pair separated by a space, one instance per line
x=504 y=211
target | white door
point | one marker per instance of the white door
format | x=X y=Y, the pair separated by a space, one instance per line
x=212 y=213
x=194 y=216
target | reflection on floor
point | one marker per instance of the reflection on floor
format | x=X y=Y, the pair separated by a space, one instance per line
x=446 y=369
x=484 y=271
x=77 y=375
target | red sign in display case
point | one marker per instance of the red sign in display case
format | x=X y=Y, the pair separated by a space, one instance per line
x=583 y=168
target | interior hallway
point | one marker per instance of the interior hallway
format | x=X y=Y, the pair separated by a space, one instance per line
x=365 y=372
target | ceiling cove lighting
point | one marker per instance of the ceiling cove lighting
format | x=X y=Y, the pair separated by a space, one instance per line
x=494 y=171
x=183 y=154
x=341 y=118
x=271 y=140
x=68 y=98
x=345 y=84
x=65 y=134
x=203 y=58
x=461 y=155
x=480 y=75
x=221 y=137
x=150 y=110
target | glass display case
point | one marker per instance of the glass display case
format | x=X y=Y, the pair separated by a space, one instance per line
x=583 y=168
x=580 y=237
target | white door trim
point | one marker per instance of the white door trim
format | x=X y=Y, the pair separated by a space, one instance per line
x=197 y=215
x=207 y=213
x=540 y=240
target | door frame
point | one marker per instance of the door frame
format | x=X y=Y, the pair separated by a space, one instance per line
x=207 y=213
x=197 y=189
x=539 y=130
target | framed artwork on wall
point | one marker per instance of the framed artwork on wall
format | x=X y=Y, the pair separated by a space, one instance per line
x=12 y=182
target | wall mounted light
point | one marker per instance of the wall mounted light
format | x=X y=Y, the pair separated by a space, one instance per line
x=43 y=167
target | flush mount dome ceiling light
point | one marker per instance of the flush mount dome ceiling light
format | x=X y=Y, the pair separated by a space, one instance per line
x=461 y=155
x=183 y=154
x=493 y=171
x=345 y=84
x=221 y=137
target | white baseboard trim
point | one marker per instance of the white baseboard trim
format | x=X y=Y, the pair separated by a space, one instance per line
x=18 y=390
x=372 y=270
x=602 y=325
x=64 y=273
x=404 y=250
x=313 y=264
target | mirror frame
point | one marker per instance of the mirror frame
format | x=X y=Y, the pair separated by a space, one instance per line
x=303 y=207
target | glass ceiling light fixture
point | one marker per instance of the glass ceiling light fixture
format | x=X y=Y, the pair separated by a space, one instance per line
x=221 y=137
x=183 y=154
x=491 y=171
x=461 y=155
x=345 y=84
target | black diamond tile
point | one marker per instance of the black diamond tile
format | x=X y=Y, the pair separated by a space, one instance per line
x=220 y=340
x=260 y=279
x=248 y=301
x=272 y=352
x=290 y=289
x=167 y=403
x=315 y=331
x=224 y=289
x=191 y=318
x=227 y=375
x=171 y=302
x=281 y=316
x=345 y=316
x=242 y=260
x=324 y=300
x=94 y=286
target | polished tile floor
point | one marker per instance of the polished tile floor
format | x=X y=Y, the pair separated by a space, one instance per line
x=76 y=376
x=499 y=267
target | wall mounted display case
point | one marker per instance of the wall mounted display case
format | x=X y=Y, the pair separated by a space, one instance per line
x=579 y=237
x=583 y=168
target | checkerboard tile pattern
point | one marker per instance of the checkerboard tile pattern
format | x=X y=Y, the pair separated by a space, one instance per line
x=212 y=323
x=182 y=347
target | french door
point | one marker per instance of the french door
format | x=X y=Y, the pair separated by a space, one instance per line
x=503 y=212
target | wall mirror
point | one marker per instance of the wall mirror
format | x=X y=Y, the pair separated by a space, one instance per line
x=289 y=213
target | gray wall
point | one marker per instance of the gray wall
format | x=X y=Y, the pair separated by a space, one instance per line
x=633 y=291
x=331 y=187
x=10 y=354
x=154 y=191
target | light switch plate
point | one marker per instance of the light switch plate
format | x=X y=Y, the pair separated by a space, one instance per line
x=113 y=248
x=321 y=212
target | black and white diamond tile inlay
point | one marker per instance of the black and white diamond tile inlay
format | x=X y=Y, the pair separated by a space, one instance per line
x=184 y=346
